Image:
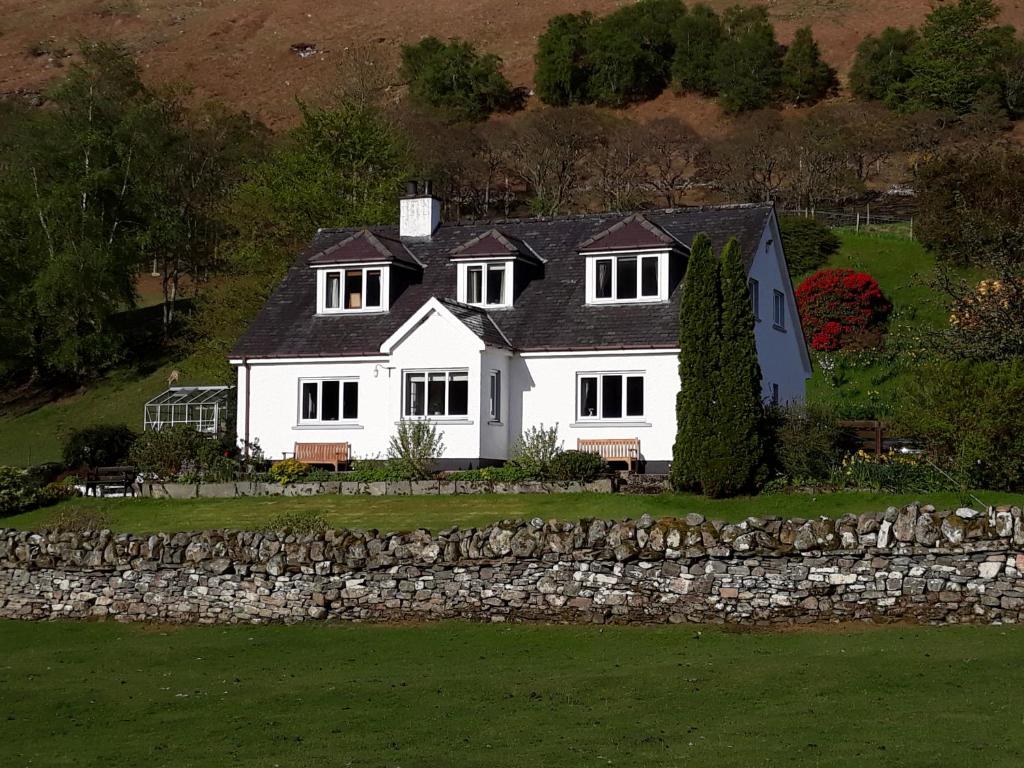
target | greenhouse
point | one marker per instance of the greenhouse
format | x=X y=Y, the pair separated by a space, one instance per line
x=207 y=409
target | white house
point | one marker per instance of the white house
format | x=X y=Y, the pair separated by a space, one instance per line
x=486 y=329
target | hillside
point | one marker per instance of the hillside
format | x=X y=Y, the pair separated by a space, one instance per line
x=238 y=51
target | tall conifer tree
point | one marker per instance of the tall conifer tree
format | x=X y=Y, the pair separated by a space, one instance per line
x=699 y=339
x=734 y=448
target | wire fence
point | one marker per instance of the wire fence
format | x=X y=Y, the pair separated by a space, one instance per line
x=863 y=221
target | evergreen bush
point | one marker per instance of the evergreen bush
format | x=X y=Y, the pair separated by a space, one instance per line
x=101 y=445
x=807 y=244
x=578 y=466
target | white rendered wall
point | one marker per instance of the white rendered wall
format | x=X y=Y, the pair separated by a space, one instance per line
x=779 y=351
x=544 y=392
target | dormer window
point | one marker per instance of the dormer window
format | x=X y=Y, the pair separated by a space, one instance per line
x=486 y=284
x=627 y=278
x=352 y=289
x=628 y=262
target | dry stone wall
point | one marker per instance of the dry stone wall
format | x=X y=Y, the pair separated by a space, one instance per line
x=916 y=563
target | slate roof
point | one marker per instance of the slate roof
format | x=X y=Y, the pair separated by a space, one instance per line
x=632 y=233
x=480 y=322
x=550 y=313
x=361 y=247
x=493 y=243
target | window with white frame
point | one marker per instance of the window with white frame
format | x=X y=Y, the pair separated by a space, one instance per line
x=755 y=297
x=355 y=289
x=779 y=314
x=328 y=401
x=627 y=278
x=435 y=393
x=487 y=284
x=495 y=396
x=606 y=396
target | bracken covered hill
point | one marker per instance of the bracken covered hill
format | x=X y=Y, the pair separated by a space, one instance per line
x=239 y=51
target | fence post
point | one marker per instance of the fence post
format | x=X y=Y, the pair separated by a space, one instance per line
x=869 y=214
x=857 y=225
x=911 y=227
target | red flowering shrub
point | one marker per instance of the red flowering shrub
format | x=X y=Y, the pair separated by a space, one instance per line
x=841 y=308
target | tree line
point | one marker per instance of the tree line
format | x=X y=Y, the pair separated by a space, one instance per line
x=961 y=61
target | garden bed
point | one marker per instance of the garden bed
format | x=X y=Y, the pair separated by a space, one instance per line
x=351 y=488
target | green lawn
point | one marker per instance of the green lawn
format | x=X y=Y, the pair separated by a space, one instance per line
x=438 y=512
x=452 y=694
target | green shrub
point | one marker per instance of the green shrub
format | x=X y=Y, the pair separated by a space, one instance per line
x=302 y=523
x=455 y=79
x=578 y=466
x=698 y=35
x=563 y=73
x=807 y=244
x=806 y=78
x=970 y=420
x=535 y=449
x=102 y=445
x=181 y=451
x=288 y=471
x=17 y=491
x=510 y=473
x=808 y=443
x=414 y=449
x=882 y=64
x=373 y=471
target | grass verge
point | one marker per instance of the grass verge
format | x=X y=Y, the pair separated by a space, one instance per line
x=438 y=512
x=78 y=694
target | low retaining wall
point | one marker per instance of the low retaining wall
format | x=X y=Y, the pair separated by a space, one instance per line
x=349 y=488
x=914 y=564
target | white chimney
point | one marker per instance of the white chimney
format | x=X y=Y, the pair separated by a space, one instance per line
x=420 y=212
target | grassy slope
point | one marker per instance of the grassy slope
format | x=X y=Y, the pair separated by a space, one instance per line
x=36 y=436
x=438 y=512
x=452 y=694
x=902 y=268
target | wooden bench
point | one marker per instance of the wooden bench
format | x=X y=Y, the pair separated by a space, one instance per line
x=334 y=454
x=101 y=479
x=625 y=449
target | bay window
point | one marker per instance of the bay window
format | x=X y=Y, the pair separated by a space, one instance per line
x=436 y=393
x=604 y=396
x=626 y=278
x=326 y=401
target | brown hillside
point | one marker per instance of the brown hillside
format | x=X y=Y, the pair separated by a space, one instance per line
x=238 y=51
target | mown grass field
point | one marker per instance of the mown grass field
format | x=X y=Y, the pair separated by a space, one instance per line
x=439 y=512
x=452 y=694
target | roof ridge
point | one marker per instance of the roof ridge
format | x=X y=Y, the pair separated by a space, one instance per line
x=493 y=223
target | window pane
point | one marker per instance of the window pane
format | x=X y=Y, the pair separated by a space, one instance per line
x=373 y=288
x=350 y=401
x=611 y=397
x=435 y=394
x=458 y=394
x=752 y=287
x=780 y=309
x=634 y=395
x=495 y=396
x=603 y=279
x=495 y=283
x=309 y=399
x=626 y=277
x=330 y=406
x=354 y=289
x=649 y=276
x=474 y=285
x=333 y=299
x=415 y=394
x=588 y=396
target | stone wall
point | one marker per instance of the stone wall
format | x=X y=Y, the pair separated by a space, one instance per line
x=915 y=564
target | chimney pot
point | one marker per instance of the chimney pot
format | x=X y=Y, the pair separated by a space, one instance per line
x=410 y=188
